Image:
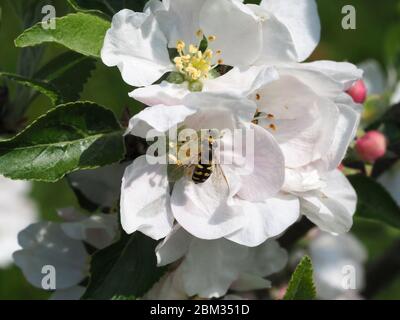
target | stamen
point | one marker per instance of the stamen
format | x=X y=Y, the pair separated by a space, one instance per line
x=199 y=33
x=258 y=96
x=180 y=46
x=195 y=64
x=272 y=126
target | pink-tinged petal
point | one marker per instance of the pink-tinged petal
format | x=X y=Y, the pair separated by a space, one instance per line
x=145 y=199
x=137 y=46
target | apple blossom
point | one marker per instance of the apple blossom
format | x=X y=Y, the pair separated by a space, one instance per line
x=238 y=201
x=204 y=34
x=208 y=268
x=62 y=245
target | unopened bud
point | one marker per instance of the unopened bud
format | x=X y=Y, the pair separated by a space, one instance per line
x=371 y=146
x=358 y=91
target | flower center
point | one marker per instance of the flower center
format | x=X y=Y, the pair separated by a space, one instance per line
x=193 y=62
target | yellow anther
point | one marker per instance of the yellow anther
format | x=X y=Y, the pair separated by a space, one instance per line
x=193 y=63
x=212 y=38
x=193 y=49
x=208 y=54
x=220 y=61
x=219 y=51
x=199 y=33
x=180 y=45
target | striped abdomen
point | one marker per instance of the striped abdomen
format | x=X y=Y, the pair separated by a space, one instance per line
x=202 y=172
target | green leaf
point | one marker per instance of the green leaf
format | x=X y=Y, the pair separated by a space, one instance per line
x=301 y=285
x=41 y=86
x=374 y=202
x=109 y=7
x=74 y=136
x=61 y=80
x=80 y=32
x=68 y=73
x=127 y=268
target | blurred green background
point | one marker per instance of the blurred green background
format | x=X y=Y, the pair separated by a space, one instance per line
x=377 y=33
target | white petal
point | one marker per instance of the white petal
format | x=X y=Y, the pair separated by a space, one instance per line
x=278 y=46
x=145 y=199
x=46 y=244
x=169 y=287
x=342 y=72
x=180 y=20
x=303 y=179
x=137 y=46
x=160 y=118
x=302 y=121
x=203 y=210
x=266 y=219
x=242 y=81
x=267 y=259
x=302 y=20
x=249 y=282
x=173 y=247
x=17 y=212
x=210 y=267
x=333 y=210
x=318 y=82
x=232 y=22
x=165 y=93
x=99 y=230
x=228 y=111
x=344 y=133
x=267 y=167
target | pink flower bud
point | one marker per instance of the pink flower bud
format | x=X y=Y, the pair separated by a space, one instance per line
x=371 y=146
x=358 y=91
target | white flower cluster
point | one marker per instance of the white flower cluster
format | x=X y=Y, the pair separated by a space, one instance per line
x=224 y=65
